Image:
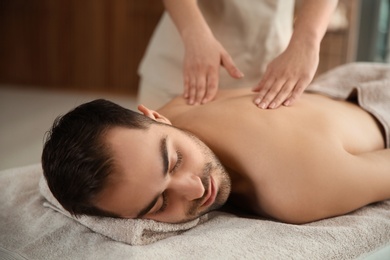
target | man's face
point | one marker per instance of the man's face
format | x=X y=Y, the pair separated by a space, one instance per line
x=163 y=174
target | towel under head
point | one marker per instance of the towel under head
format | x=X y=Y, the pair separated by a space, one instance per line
x=130 y=231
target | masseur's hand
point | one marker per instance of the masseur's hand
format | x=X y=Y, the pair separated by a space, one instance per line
x=203 y=54
x=202 y=60
x=287 y=76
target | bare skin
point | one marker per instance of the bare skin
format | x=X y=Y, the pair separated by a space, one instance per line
x=318 y=159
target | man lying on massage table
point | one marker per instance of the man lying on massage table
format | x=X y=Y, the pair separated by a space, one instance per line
x=317 y=159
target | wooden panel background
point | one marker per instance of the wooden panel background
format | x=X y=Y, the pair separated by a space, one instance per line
x=97 y=44
x=77 y=44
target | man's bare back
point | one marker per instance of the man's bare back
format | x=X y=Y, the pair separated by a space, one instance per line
x=317 y=159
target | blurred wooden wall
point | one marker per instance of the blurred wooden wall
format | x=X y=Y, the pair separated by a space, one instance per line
x=97 y=44
x=75 y=44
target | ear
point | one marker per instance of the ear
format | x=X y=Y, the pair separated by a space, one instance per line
x=153 y=115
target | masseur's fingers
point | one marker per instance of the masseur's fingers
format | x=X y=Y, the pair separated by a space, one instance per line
x=213 y=77
x=228 y=64
x=281 y=94
x=186 y=92
x=208 y=93
x=263 y=87
x=297 y=92
x=201 y=70
x=212 y=87
x=273 y=90
x=200 y=90
x=287 y=76
x=192 y=91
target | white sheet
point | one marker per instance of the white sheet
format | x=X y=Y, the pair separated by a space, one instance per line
x=30 y=230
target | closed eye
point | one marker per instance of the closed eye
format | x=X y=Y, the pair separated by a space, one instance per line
x=178 y=161
x=164 y=204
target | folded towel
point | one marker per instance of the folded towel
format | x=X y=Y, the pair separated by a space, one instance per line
x=130 y=231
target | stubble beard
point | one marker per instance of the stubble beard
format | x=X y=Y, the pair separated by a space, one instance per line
x=220 y=175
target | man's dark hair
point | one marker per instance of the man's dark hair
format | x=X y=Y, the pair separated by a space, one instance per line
x=76 y=161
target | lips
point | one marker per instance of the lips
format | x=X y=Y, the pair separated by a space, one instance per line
x=210 y=197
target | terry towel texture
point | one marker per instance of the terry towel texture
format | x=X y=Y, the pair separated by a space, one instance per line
x=130 y=231
x=31 y=231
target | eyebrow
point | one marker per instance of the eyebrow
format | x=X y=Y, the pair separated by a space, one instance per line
x=165 y=162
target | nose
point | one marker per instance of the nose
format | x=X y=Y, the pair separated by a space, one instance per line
x=190 y=187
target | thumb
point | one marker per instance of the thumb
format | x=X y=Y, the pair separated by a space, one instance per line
x=228 y=64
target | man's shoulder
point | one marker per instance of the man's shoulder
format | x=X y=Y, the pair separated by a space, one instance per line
x=178 y=105
x=233 y=92
x=175 y=107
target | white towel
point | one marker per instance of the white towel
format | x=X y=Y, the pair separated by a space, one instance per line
x=130 y=231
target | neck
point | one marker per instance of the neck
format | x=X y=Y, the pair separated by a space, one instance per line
x=242 y=195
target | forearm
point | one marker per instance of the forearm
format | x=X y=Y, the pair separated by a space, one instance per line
x=187 y=18
x=312 y=21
